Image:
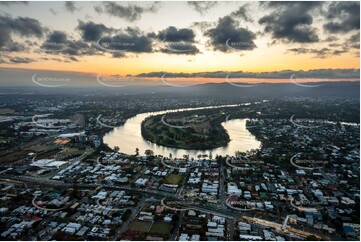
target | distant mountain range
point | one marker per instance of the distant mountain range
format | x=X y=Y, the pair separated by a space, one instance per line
x=216 y=90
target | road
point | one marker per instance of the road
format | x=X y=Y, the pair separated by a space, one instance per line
x=230 y=229
x=175 y=234
x=222 y=192
x=288 y=229
x=131 y=218
x=209 y=208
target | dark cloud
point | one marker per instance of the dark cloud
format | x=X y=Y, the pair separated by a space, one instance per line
x=172 y=34
x=335 y=45
x=57 y=42
x=52 y=59
x=285 y=74
x=21 y=60
x=9 y=3
x=285 y=4
x=24 y=27
x=353 y=41
x=119 y=55
x=5 y=36
x=318 y=53
x=227 y=36
x=126 y=42
x=355 y=38
x=339 y=52
x=133 y=31
x=152 y=35
x=202 y=7
x=14 y=47
x=58 y=37
x=98 y=9
x=242 y=14
x=291 y=21
x=331 y=38
x=91 y=31
x=350 y=43
x=343 y=17
x=179 y=48
x=130 y=12
x=202 y=25
x=78 y=47
x=72 y=58
x=70 y=7
x=177 y=41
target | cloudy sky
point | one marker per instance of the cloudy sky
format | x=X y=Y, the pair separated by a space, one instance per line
x=150 y=38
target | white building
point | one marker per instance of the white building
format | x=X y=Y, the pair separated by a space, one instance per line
x=232 y=189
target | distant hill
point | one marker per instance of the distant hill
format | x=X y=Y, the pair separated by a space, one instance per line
x=350 y=89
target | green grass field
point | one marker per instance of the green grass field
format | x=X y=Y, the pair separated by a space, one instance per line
x=141 y=226
x=173 y=179
x=161 y=228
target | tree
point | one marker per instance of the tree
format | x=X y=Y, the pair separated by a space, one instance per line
x=126 y=215
x=149 y=152
x=311 y=238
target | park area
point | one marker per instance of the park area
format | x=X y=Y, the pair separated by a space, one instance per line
x=161 y=228
x=173 y=179
x=141 y=226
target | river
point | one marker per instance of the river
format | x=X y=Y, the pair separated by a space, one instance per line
x=128 y=137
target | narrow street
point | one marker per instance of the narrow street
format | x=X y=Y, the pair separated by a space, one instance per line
x=175 y=234
x=131 y=218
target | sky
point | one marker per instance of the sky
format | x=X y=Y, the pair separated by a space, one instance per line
x=182 y=39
